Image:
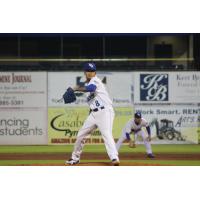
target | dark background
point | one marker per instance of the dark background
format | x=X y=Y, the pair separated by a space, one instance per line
x=61 y=46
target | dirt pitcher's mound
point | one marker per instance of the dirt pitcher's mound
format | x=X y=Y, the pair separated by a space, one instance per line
x=96 y=156
x=93 y=164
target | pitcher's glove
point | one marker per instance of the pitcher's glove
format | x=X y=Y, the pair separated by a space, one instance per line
x=69 y=96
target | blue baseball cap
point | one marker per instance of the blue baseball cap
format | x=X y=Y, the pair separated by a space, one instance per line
x=89 y=67
x=138 y=115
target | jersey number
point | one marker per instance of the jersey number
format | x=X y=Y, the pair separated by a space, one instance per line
x=97 y=103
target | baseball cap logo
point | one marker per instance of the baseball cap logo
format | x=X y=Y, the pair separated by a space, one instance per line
x=91 y=65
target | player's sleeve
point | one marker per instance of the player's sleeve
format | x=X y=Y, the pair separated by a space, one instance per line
x=148 y=130
x=128 y=136
x=92 y=86
x=146 y=125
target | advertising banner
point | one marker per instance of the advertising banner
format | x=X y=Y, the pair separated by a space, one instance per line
x=172 y=124
x=23 y=89
x=23 y=126
x=185 y=87
x=118 y=84
x=65 y=122
x=166 y=87
x=199 y=132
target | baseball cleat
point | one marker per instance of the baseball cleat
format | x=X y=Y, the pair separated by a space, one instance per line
x=115 y=162
x=72 y=162
x=150 y=155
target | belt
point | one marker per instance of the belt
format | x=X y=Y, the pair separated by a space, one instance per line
x=135 y=131
x=97 y=109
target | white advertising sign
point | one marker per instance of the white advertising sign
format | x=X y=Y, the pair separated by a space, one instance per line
x=166 y=87
x=118 y=84
x=23 y=89
x=23 y=126
x=172 y=124
x=185 y=87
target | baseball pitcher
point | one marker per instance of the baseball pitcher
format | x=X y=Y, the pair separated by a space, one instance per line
x=101 y=116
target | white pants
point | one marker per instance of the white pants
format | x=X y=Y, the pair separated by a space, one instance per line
x=103 y=119
x=141 y=133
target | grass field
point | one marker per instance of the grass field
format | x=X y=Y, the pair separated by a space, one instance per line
x=178 y=155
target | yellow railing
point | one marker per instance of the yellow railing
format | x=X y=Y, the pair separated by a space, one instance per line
x=93 y=59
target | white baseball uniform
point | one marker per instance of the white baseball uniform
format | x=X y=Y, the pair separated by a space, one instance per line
x=130 y=127
x=101 y=116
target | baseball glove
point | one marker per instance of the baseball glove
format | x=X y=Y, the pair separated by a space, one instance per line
x=132 y=144
x=69 y=96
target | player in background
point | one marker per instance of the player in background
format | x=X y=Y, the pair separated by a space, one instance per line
x=101 y=116
x=135 y=126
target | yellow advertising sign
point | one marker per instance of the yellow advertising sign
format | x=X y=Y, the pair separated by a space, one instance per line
x=65 y=122
x=199 y=134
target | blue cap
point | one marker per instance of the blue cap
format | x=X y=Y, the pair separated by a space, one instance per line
x=89 y=67
x=138 y=115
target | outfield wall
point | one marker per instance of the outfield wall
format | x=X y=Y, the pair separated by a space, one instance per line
x=32 y=110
